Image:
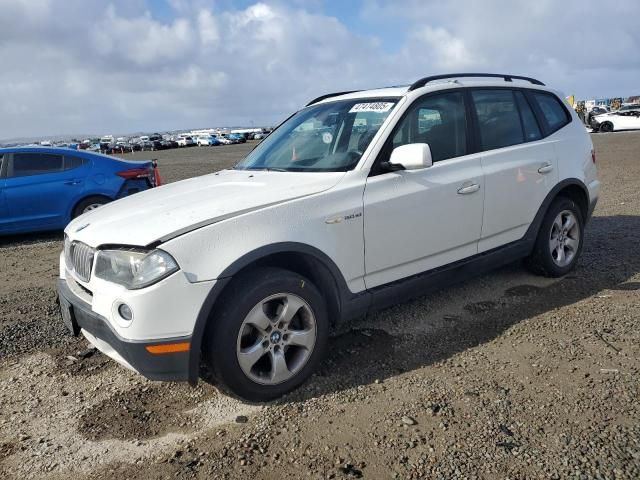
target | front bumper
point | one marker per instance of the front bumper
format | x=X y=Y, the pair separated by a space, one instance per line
x=133 y=354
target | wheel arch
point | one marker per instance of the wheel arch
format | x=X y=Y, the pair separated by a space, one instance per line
x=579 y=195
x=571 y=188
x=84 y=197
x=301 y=258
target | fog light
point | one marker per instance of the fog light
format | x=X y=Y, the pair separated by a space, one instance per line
x=125 y=312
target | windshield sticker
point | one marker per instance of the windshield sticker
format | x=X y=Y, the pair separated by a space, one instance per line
x=371 y=107
x=327 y=137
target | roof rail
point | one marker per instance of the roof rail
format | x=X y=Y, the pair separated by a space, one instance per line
x=507 y=78
x=329 y=95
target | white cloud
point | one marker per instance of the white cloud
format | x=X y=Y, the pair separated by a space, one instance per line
x=448 y=52
x=208 y=28
x=142 y=40
x=100 y=66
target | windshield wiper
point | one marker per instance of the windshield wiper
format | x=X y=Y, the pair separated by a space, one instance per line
x=267 y=169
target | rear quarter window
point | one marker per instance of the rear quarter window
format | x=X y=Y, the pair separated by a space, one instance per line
x=71 y=162
x=553 y=112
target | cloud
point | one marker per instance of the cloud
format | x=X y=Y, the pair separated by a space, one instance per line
x=447 y=52
x=80 y=66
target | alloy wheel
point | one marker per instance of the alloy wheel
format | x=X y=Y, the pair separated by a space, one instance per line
x=91 y=206
x=564 y=238
x=276 y=339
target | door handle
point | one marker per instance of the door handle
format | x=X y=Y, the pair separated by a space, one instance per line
x=546 y=168
x=469 y=188
x=73 y=182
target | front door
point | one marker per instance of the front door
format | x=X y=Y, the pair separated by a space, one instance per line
x=418 y=220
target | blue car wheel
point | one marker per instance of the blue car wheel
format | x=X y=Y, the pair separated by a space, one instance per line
x=88 y=204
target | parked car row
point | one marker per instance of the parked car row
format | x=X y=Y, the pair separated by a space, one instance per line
x=215 y=140
x=156 y=142
x=108 y=144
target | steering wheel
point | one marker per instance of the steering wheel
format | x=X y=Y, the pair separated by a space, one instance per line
x=355 y=154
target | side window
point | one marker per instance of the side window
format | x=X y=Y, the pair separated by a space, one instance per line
x=498 y=118
x=73 y=162
x=439 y=120
x=25 y=164
x=529 y=122
x=554 y=113
x=1 y=165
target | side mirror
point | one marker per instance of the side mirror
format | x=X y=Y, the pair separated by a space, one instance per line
x=411 y=157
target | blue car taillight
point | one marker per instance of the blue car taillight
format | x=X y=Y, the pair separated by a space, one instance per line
x=149 y=173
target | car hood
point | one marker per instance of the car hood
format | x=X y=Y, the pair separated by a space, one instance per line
x=165 y=212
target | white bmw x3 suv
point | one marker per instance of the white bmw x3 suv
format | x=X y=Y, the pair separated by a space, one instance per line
x=357 y=201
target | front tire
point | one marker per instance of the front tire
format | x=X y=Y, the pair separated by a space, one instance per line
x=606 y=127
x=268 y=335
x=559 y=242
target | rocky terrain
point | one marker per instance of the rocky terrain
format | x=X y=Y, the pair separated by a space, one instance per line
x=503 y=376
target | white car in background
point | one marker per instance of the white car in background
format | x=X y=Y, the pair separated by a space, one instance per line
x=358 y=201
x=629 y=106
x=224 y=140
x=185 y=141
x=207 y=141
x=628 y=119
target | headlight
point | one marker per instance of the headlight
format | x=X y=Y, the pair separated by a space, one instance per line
x=134 y=268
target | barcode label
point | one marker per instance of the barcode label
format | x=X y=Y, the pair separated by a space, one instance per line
x=371 y=107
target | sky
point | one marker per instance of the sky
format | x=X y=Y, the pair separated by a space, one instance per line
x=119 y=66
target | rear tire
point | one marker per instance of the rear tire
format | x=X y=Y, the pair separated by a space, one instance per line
x=88 y=204
x=559 y=242
x=268 y=335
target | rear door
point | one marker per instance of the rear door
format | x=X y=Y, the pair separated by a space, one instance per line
x=519 y=165
x=41 y=189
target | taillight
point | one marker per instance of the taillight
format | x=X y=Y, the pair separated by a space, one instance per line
x=593 y=155
x=134 y=173
x=156 y=174
x=150 y=173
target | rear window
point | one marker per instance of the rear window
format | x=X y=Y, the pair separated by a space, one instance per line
x=552 y=110
x=498 y=118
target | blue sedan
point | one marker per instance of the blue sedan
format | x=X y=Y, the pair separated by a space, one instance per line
x=44 y=188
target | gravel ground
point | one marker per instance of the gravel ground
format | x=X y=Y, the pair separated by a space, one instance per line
x=503 y=376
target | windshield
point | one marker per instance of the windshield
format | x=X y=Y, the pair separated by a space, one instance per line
x=328 y=137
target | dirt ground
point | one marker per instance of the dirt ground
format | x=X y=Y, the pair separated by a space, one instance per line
x=503 y=376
